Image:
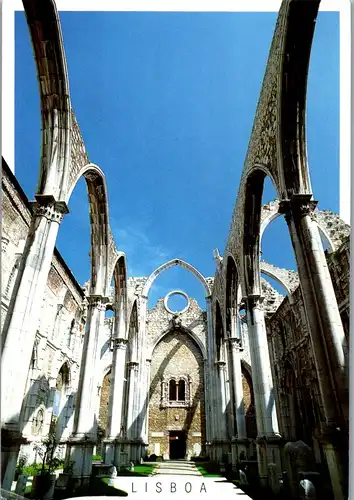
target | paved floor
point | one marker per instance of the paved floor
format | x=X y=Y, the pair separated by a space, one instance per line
x=176 y=467
x=178 y=478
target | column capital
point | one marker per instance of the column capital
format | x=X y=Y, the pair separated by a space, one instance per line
x=46 y=206
x=235 y=343
x=4 y=243
x=98 y=301
x=254 y=302
x=120 y=344
x=297 y=207
x=221 y=364
x=148 y=361
x=133 y=364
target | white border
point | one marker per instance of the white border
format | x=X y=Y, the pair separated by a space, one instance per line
x=343 y=6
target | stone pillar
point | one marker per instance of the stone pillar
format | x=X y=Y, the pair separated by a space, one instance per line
x=222 y=411
x=316 y=284
x=266 y=415
x=236 y=349
x=21 y=322
x=116 y=389
x=325 y=328
x=140 y=397
x=133 y=370
x=211 y=373
x=83 y=439
x=115 y=410
x=145 y=434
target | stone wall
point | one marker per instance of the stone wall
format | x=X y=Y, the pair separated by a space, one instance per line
x=176 y=355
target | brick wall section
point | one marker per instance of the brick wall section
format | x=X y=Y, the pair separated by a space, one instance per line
x=103 y=413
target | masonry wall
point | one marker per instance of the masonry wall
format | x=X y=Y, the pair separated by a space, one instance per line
x=177 y=356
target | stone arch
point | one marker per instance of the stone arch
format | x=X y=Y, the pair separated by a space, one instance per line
x=168 y=265
x=252 y=218
x=249 y=401
x=294 y=174
x=132 y=332
x=219 y=332
x=120 y=298
x=60 y=407
x=232 y=297
x=185 y=330
x=63 y=377
x=99 y=220
x=47 y=41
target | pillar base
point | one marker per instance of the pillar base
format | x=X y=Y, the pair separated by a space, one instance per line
x=239 y=450
x=78 y=457
x=11 y=441
x=120 y=452
x=269 y=461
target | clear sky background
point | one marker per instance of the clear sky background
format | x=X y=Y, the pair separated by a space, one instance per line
x=166 y=102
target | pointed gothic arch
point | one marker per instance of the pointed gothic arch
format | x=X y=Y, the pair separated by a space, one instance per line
x=168 y=265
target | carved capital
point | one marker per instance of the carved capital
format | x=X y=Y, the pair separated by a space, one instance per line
x=97 y=301
x=4 y=243
x=235 y=343
x=46 y=206
x=221 y=365
x=299 y=206
x=120 y=344
x=133 y=365
x=255 y=302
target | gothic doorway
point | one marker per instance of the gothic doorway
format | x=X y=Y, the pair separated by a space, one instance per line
x=178 y=445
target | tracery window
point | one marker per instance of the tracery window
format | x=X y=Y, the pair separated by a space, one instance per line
x=37 y=423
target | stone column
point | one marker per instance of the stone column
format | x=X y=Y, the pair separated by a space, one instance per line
x=266 y=413
x=133 y=370
x=325 y=327
x=222 y=411
x=83 y=439
x=140 y=399
x=316 y=284
x=236 y=349
x=145 y=427
x=211 y=373
x=115 y=409
x=116 y=390
x=21 y=322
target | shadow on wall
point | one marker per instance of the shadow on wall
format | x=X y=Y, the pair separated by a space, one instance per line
x=44 y=397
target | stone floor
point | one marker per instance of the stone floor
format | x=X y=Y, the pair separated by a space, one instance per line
x=176 y=467
x=178 y=478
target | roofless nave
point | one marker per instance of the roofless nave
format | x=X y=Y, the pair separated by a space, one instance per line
x=240 y=382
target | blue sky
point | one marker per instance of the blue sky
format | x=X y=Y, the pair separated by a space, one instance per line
x=166 y=102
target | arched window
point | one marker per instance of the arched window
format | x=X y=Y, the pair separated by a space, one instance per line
x=37 y=423
x=181 y=390
x=172 y=390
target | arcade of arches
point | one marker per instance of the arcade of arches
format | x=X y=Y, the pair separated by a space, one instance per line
x=251 y=376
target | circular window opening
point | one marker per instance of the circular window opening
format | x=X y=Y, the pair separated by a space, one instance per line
x=176 y=302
